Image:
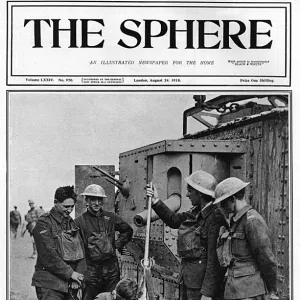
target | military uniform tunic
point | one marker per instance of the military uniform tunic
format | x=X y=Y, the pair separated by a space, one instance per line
x=200 y=268
x=102 y=276
x=15 y=221
x=51 y=271
x=31 y=218
x=253 y=268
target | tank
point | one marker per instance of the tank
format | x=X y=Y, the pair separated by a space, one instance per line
x=245 y=136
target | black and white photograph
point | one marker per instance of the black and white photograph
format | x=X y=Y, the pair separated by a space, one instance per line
x=159 y=195
x=149 y=150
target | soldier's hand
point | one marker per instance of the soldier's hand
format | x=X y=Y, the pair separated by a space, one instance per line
x=74 y=285
x=273 y=296
x=152 y=192
x=77 y=277
x=205 y=298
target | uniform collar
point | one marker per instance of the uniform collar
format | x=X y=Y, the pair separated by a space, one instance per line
x=207 y=204
x=207 y=210
x=238 y=215
x=57 y=216
x=98 y=214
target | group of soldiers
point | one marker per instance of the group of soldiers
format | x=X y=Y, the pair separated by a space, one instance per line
x=222 y=241
x=30 y=219
x=77 y=258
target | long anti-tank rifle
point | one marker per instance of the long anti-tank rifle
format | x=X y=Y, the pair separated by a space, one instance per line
x=124 y=187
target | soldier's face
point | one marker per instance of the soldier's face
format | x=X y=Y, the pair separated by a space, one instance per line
x=228 y=205
x=95 y=203
x=65 y=207
x=194 y=195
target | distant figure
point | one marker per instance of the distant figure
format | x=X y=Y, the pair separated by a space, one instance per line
x=40 y=211
x=15 y=221
x=126 y=289
x=31 y=218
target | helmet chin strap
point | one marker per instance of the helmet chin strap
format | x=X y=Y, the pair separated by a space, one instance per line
x=234 y=205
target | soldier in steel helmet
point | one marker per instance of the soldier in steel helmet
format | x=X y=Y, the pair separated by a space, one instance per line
x=244 y=248
x=97 y=229
x=60 y=261
x=198 y=228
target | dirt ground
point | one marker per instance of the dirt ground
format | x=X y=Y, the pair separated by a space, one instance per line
x=21 y=268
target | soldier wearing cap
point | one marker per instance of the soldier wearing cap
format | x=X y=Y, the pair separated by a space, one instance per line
x=15 y=221
x=31 y=218
x=245 y=247
x=198 y=228
x=97 y=228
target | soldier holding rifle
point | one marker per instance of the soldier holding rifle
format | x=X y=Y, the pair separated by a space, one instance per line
x=198 y=228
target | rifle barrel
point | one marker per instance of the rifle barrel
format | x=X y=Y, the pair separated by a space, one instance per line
x=107 y=175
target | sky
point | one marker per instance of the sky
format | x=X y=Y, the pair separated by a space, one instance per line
x=51 y=132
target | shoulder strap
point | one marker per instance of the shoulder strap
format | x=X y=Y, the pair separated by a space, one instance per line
x=103 y=221
x=234 y=226
x=82 y=220
x=109 y=215
x=54 y=227
x=203 y=221
x=200 y=224
x=83 y=226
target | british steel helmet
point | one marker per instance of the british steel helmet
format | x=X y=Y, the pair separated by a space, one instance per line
x=94 y=190
x=30 y=201
x=228 y=187
x=202 y=182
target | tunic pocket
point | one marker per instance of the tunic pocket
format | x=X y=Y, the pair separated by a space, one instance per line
x=239 y=244
x=189 y=243
x=243 y=271
x=203 y=233
x=239 y=235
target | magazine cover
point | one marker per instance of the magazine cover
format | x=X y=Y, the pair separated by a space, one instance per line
x=150 y=150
